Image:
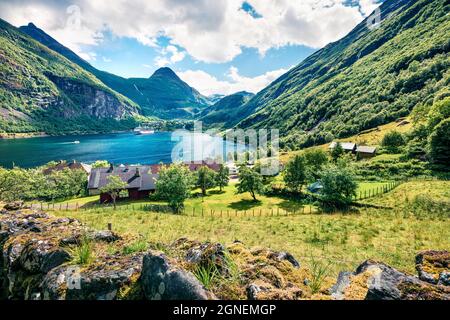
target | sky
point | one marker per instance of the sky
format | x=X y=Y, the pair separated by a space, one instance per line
x=216 y=46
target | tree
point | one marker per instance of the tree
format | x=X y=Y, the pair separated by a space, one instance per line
x=174 y=185
x=392 y=141
x=206 y=179
x=250 y=181
x=295 y=174
x=315 y=159
x=14 y=184
x=100 y=164
x=113 y=188
x=337 y=152
x=439 y=143
x=339 y=188
x=222 y=177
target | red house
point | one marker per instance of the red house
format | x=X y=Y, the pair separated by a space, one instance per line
x=140 y=181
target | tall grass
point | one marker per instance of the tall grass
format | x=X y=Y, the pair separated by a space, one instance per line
x=83 y=254
x=319 y=272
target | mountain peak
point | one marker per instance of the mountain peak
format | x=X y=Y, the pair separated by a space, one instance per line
x=165 y=72
x=32 y=25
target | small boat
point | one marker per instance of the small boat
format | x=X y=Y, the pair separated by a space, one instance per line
x=76 y=142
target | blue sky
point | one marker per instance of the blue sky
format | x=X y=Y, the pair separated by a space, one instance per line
x=217 y=46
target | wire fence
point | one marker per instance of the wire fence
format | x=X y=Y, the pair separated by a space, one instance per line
x=275 y=211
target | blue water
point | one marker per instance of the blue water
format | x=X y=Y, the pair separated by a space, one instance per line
x=122 y=148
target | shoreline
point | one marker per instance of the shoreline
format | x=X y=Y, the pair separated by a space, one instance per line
x=13 y=136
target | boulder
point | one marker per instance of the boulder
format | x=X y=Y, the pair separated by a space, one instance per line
x=111 y=278
x=161 y=279
x=14 y=206
x=434 y=266
x=378 y=281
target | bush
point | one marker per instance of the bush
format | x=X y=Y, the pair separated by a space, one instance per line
x=393 y=141
x=339 y=188
x=439 y=144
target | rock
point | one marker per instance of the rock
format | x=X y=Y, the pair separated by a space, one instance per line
x=14 y=206
x=112 y=278
x=264 y=291
x=280 y=256
x=105 y=236
x=433 y=266
x=444 y=278
x=40 y=256
x=377 y=281
x=161 y=280
x=342 y=283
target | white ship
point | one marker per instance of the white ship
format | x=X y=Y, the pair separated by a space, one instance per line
x=140 y=130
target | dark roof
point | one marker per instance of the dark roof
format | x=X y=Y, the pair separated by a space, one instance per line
x=137 y=177
x=144 y=181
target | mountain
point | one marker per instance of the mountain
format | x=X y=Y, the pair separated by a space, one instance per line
x=41 y=91
x=223 y=112
x=368 y=78
x=214 y=98
x=163 y=95
x=166 y=96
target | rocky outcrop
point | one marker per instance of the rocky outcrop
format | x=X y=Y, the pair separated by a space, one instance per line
x=377 y=281
x=433 y=267
x=92 y=101
x=163 y=280
x=48 y=258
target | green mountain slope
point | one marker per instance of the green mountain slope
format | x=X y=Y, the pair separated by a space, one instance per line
x=41 y=91
x=163 y=95
x=223 y=112
x=368 y=78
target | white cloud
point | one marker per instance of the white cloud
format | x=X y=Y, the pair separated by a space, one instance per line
x=209 y=31
x=368 y=6
x=169 y=55
x=107 y=60
x=208 y=84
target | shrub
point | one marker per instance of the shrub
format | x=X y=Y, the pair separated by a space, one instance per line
x=339 y=188
x=393 y=141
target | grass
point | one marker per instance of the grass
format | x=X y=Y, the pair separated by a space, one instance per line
x=371 y=138
x=225 y=202
x=346 y=240
x=84 y=253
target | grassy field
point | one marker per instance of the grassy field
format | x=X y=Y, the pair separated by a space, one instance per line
x=344 y=240
x=225 y=200
x=370 y=138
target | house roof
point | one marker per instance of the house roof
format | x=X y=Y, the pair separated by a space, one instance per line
x=350 y=146
x=366 y=149
x=144 y=180
x=137 y=177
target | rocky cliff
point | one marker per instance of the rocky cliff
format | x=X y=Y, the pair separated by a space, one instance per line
x=48 y=258
x=41 y=91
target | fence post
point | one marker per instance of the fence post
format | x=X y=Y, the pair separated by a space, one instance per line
x=77 y=207
x=110 y=226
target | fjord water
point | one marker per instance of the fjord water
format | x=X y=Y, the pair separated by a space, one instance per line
x=122 y=148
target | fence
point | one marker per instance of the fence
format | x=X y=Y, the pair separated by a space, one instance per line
x=202 y=212
x=373 y=192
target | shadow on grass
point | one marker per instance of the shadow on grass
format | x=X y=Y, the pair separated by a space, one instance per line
x=215 y=192
x=244 y=205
